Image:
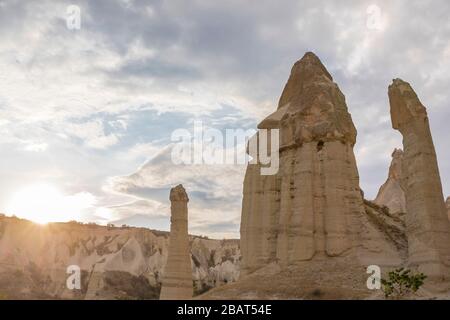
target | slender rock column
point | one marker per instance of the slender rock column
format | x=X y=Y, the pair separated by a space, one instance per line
x=177 y=279
x=427 y=225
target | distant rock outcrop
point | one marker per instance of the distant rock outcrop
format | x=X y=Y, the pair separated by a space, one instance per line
x=115 y=262
x=177 y=278
x=427 y=224
x=391 y=193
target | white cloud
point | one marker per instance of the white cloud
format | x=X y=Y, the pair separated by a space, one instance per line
x=214 y=190
x=36 y=147
x=93 y=134
x=58 y=86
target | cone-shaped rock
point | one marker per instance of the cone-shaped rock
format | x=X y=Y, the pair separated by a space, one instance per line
x=177 y=279
x=391 y=193
x=427 y=225
x=311 y=206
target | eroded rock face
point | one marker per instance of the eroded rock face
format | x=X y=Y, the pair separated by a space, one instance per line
x=391 y=193
x=177 y=281
x=427 y=224
x=115 y=262
x=448 y=207
x=313 y=205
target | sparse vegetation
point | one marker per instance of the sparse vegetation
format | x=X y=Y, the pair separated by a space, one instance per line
x=200 y=289
x=129 y=286
x=401 y=282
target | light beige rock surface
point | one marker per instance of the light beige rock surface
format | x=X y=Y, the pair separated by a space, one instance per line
x=313 y=208
x=391 y=193
x=115 y=262
x=177 y=278
x=427 y=224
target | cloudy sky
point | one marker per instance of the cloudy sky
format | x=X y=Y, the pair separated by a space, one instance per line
x=86 y=115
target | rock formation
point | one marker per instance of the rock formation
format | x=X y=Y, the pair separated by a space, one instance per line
x=115 y=262
x=448 y=207
x=427 y=224
x=391 y=193
x=314 y=206
x=259 y=218
x=307 y=232
x=177 y=281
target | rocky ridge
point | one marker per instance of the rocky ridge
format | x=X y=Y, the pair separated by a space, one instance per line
x=115 y=262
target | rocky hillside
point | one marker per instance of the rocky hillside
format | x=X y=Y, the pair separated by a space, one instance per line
x=115 y=263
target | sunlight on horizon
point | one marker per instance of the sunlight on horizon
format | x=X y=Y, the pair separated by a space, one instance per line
x=43 y=203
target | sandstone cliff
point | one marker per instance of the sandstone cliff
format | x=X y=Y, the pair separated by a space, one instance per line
x=116 y=263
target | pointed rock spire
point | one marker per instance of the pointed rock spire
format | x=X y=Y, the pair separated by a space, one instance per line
x=306 y=70
x=391 y=193
x=315 y=103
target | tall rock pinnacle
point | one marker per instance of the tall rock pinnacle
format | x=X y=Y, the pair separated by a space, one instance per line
x=177 y=280
x=427 y=225
x=309 y=208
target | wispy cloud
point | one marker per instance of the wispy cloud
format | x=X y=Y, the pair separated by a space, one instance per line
x=78 y=107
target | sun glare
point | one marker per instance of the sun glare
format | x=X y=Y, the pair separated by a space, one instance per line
x=43 y=203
